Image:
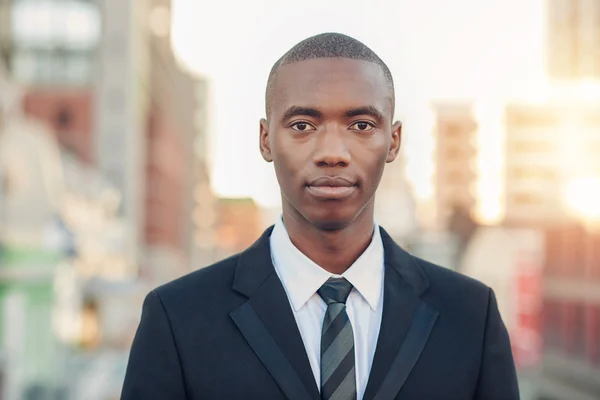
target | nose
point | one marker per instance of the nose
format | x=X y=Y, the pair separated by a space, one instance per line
x=331 y=148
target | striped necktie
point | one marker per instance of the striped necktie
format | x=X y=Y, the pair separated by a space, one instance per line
x=338 y=374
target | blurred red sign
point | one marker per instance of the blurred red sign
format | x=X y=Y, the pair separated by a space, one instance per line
x=526 y=336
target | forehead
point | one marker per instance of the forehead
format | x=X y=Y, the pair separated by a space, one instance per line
x=331 y=84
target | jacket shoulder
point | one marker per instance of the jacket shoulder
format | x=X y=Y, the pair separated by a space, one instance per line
x=215 y=280
x=463 y=302
x=449 y=284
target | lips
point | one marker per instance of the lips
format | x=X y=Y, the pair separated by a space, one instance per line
x=331 y=188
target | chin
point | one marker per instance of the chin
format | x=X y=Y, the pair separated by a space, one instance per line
x=331 y=220
x=330 y=225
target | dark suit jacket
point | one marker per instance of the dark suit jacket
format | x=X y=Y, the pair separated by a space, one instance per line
x=227 y=332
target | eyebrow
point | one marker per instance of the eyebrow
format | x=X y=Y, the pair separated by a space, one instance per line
x=295 y=111
x=370 y=110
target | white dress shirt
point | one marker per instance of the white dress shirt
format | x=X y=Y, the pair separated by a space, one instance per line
x=301 y=279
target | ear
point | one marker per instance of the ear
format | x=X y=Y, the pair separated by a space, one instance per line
x=264 y=141
x=396 y=140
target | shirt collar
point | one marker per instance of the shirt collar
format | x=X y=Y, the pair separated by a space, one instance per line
x=302 y=277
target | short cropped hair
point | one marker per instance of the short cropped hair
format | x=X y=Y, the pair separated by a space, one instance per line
x=327 y=45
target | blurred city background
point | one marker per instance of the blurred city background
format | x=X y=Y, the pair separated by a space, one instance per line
x=129 y=157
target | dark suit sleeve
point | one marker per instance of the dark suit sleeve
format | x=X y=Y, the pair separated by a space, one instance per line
x=154 y=371
x=497 y=375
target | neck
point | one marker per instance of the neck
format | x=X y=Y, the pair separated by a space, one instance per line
x=334 y=251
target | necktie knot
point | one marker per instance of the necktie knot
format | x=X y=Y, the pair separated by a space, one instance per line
x=335 y=290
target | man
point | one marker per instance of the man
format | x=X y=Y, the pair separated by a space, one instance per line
x=324 y=305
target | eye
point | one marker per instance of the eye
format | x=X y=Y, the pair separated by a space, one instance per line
x=362 y=126
x=302 y=126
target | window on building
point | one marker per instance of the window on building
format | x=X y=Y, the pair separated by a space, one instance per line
x=573 y=249
x=457 y=179
x=63 y=118
x=592 y=334
x=551 y=325
x=553 y=253
x=457 y=130
x=52 y=67
x=455 y=152
x=46 y=49
x=527 y=200
x=532 y=118
x=534 y=173
x=41 y=24
x=594 y=258
x=579 y=330
x=522 y=146
x=90 y=325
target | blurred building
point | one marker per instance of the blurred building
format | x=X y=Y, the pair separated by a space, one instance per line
x=510 y=260
x=573 y=40
x=553 y=186
x=40 y=49
x=121 y=91
x=395 y=207
x=58 y=228
x=128 y=128
x=58 y=66
x=239 y=224
x=455 y=160
x=67 y=110
x=437 y=246
x=550 y=150
x=31 y=250
x=269 y=216
x=54 y=64
x=570 y=367
x=204 y=218
x=175 y=167
x=5 y=31
x=110 y=88
x=553 y=183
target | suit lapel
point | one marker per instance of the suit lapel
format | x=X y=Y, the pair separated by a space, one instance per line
x=267 y=323
x=406 y=323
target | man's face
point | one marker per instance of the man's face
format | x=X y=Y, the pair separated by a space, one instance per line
x=329 y=133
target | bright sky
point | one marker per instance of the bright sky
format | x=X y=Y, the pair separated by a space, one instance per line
x=486 y=50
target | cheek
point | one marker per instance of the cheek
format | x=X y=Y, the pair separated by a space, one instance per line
x=290 y=159
x=288 y=167
x=374 y=175
x=372 y=160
